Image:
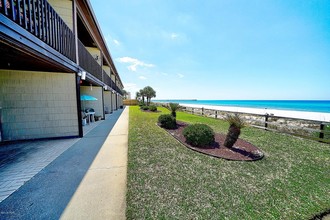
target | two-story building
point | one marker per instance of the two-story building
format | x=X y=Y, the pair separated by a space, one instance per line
x=52 y=53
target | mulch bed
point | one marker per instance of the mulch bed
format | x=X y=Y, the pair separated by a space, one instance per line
x=241 y=151
x=150 y=111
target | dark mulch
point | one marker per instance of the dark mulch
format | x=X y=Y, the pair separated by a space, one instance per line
x=150 y=111
x=242 y=150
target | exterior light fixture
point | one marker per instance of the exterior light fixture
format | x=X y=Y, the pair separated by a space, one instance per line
x=83 y=75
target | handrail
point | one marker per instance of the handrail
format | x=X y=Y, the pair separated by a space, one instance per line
x=87 y=61
x=41 y=20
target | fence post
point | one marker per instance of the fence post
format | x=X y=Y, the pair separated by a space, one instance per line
x=202 y=111
x=321 y=132
x=192 y=110
x=266 y=121
x=216 y=114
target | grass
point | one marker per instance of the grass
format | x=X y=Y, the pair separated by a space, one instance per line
x=168 y=181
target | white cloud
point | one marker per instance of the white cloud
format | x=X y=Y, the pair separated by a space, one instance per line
x=174 y=36
x=116 y=42
x=128 y=86
x=142 y=77
x=110 y=40
x=134 y=63
x=180 y=75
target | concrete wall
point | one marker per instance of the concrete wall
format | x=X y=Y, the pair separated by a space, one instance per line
x=37 y=104
x=64 y=9
x=95 y=91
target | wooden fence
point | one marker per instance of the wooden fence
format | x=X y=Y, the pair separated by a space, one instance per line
x=130 y=102
x=315 y=130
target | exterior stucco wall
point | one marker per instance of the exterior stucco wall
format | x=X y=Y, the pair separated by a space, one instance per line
x=37 y=104
x=107 y=70
x=107 y=100
x=64 y=9
x=95 y=91
x=96 y=53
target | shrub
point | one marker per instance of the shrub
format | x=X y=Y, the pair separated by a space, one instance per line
x=145 y=108
x=199 y=135
x=167 y=121
x=153 y=108
x=236 y=123
x=174 y=107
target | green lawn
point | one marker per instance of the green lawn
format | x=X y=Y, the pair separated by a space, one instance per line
x=168 y=181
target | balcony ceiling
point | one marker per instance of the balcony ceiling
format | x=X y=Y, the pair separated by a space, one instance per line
x=84 y=35
x=19 y=58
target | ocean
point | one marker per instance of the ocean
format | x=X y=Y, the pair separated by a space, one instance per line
x=293 y=105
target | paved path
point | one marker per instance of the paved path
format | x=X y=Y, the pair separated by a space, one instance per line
x=48 y=193
x=20 y=161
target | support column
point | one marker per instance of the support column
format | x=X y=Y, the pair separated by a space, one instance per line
x=81 y=133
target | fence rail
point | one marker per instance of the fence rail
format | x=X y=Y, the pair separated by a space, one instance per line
x=315 y=130
x=41 y=20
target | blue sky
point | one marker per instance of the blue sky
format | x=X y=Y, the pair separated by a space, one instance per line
x=220 y=49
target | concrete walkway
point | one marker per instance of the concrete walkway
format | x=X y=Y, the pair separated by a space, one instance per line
x=20 y=161
x=54 y=191
x=101 y=194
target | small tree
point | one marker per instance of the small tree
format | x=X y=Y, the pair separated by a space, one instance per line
x=142 y=94
x=236 y=123
x=149 y=92
x=174 y=107
x=125 y=94
x=137 y=96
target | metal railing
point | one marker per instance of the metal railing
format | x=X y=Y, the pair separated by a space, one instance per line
x=41 y=20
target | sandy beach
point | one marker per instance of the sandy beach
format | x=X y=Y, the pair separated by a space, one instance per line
x=315 y=116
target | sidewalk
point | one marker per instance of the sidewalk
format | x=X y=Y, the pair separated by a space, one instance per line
x=55 y=188
x=102 y=192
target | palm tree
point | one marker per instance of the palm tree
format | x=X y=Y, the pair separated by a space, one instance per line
x=149 y=93
x=137 y=96
x=125 y=93
x=173 y=107
x=236 y=123
x=142 y=94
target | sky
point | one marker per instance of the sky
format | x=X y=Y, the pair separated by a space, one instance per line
x=220 y=49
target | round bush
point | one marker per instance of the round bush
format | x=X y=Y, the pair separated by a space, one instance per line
x=167 y=121
x=145 y=108
x=199 y=135
x=153 y=108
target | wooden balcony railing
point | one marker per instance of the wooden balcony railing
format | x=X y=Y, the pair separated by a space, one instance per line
x=107 y=80
x=87 y=61
x=41 y=20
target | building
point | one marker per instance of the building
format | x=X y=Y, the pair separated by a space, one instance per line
x=52 y=52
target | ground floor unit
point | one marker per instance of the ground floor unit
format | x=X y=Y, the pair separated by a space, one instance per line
x=36 y=105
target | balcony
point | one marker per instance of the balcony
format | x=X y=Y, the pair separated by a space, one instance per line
x=48 y=34
x=108 y=81
x=87 y=61
x=40 y=19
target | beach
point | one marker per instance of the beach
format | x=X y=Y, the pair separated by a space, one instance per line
x=314 y=116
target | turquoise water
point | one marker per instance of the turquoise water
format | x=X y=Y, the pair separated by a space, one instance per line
x=293 y=105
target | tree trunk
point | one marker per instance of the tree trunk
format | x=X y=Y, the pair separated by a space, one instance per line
x=232 y=136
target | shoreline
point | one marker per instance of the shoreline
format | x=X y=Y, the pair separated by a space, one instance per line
x=314 y=116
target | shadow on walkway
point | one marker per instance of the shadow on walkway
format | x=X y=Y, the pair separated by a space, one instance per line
x=47 y=194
